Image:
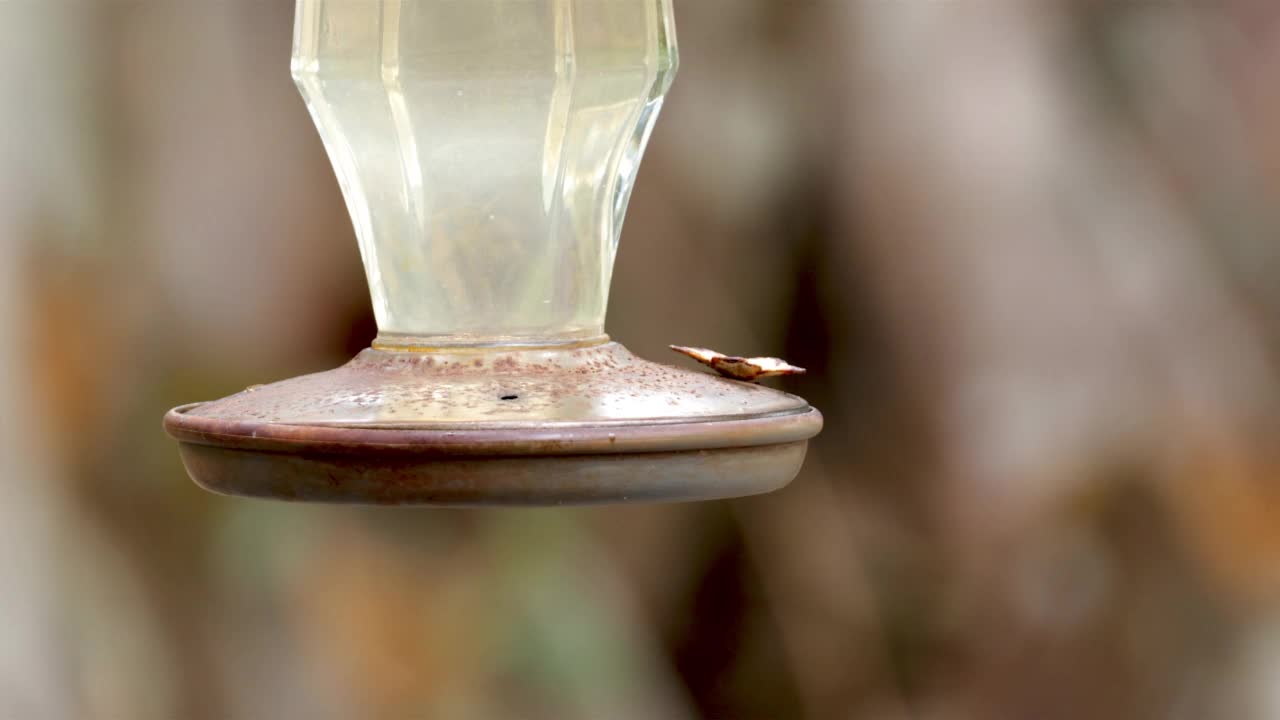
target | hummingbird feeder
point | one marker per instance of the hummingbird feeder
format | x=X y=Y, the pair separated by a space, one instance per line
x=486 y=150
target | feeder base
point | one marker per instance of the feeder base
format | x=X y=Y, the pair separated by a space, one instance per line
x=540 y=426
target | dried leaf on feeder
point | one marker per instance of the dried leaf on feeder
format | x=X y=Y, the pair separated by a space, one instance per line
x=740 y=368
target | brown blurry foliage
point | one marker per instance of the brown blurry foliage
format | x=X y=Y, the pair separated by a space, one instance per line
x=1026 y=251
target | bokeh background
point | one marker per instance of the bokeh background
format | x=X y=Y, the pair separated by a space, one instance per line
x=1028 y=251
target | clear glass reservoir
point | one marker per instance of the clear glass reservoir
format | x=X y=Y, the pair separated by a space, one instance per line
x=486 y=150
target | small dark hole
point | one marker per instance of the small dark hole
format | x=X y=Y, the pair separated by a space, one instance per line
x=509 y=397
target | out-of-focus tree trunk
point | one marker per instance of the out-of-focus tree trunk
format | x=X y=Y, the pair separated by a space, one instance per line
x=36 y=672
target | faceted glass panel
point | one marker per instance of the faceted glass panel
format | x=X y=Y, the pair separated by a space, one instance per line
x=486 y=150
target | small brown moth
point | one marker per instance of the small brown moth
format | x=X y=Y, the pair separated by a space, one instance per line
x=740 y=368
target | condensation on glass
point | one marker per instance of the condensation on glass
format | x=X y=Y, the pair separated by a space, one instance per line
x=486 y=150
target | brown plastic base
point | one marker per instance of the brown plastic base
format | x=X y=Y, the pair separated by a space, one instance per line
x=547 y=480
x=520 y=427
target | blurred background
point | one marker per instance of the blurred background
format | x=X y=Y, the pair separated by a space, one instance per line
x=1027 y=251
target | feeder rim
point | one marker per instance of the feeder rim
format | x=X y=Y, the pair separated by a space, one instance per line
x=495 y=440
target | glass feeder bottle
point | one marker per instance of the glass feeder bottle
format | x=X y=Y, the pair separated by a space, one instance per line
x=486 y=151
